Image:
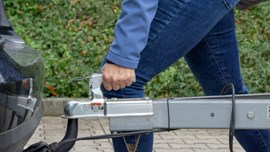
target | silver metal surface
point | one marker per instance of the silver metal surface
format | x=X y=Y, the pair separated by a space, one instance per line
x=214 y=112
x=130 y=114
x=129 y=107
x=252 y=111
x=131 y=123
x=85 y=109
x=109 y=108
x=94 y=86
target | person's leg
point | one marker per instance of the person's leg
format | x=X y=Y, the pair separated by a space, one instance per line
x=178 y=26
x=215 y=62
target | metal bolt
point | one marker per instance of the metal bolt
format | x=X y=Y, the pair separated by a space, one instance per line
x=250 y=115
x=95 y=108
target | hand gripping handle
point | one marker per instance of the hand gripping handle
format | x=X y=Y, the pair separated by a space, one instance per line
x=95 y=83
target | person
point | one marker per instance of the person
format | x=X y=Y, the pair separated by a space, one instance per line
x=152 y=35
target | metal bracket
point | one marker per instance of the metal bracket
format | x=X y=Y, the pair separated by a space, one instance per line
x=109 y=108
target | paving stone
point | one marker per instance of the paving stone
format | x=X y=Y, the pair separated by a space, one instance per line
x=173 y=150
x=186 y=146
x=86 y=143
x=217 y=150
x=163 y=146
x=175 y=141
x=212 y=150
x=85 y=149
x=106 y=146
x=199 y=141
x=224 y=137
x=169 y=137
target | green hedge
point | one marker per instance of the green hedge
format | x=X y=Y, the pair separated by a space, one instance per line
x=73 y=37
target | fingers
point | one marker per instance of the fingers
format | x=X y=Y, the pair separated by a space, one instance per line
x=115 y=87
x=107 y=86
x=110 y=83
x=116 y=77
x=122 y=85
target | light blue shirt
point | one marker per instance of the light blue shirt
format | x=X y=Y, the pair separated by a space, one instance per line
x=131 y=32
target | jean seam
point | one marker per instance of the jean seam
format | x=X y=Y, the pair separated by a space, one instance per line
x=178 y=11
x=263 y=140
x=227 y=5
x=220 y=33
x=216 y=62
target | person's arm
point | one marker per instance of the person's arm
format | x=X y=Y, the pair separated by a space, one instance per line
x=131 y=34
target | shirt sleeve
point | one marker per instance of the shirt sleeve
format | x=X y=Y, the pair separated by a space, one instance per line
x=131 y=32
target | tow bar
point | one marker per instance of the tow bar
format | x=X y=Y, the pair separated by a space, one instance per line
x=135 y=116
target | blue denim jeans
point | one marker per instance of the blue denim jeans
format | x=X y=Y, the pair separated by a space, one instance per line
x=203 y=32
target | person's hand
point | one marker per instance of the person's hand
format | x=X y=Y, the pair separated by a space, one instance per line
x=116 y=77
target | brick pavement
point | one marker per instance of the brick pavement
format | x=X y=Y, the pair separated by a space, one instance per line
x=52 y=129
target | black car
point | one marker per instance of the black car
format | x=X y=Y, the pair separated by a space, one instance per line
x=21 y=87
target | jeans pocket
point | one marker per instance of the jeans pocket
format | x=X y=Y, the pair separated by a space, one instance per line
x=230 y=3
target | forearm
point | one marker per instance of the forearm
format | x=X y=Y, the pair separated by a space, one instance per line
x=131 y=32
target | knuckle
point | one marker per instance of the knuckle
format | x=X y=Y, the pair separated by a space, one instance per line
x=116 y=88
x=107 y=87
x=114 y=79
x=105 y=77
